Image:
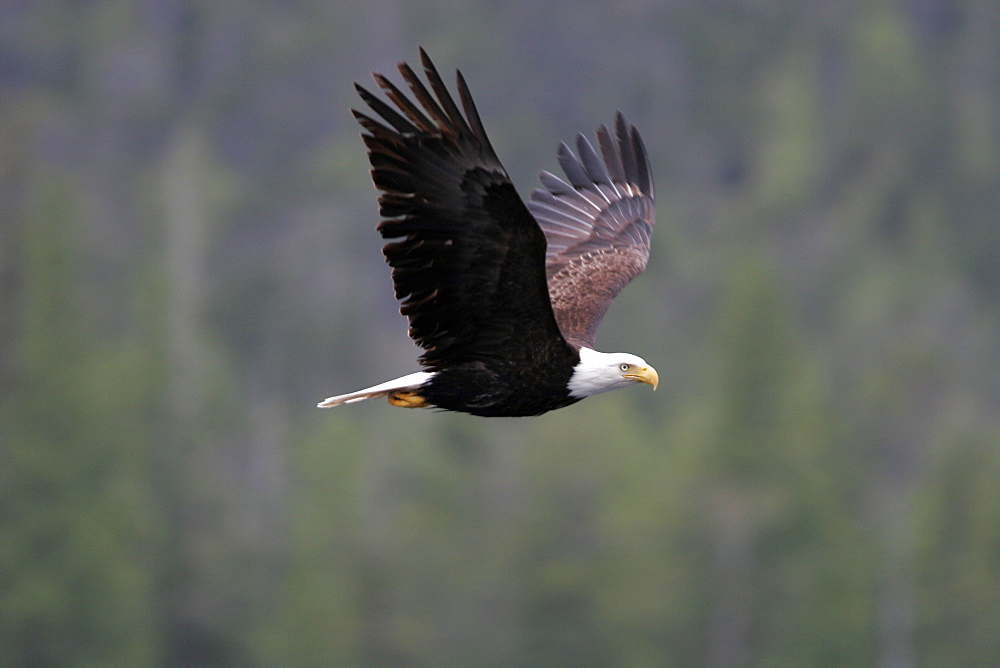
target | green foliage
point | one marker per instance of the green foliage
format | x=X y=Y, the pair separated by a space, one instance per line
x=76 y=585
x=958 y=549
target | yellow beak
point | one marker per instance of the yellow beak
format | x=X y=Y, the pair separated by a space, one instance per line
x=645 y=374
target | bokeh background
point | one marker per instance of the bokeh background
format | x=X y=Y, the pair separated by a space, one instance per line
x=188 y=263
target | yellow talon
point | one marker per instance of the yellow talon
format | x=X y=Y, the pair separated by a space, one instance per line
x=407 y=400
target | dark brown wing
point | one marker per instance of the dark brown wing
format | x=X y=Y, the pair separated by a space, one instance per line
x=469 y=263
x=597 y=226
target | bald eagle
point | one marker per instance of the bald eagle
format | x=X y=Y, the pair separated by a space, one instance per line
x=504 y=297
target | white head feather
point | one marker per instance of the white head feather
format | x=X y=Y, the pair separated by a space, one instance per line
x=598 y=372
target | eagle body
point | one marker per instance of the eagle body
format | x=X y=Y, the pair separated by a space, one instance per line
x=503 y=388
x=504 y=297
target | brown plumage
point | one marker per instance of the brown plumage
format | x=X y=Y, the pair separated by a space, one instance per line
x=597 y=226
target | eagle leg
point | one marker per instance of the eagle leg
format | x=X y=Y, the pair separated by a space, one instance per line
x=407 y=400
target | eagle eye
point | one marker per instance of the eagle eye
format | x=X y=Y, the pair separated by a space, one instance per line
x=623 y=366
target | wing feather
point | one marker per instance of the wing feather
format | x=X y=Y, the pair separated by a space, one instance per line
x=468 y=259
x=598 y=226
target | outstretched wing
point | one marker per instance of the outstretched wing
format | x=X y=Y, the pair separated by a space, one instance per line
x=597 y=226
x=469 y=262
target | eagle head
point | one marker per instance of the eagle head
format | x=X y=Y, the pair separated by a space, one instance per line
x=598 y=372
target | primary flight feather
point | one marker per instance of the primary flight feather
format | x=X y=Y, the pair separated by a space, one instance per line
x=504 y=298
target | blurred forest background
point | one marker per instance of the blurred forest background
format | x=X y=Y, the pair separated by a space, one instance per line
x=188 y=263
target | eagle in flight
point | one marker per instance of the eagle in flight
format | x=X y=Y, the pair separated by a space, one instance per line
x=504 y=297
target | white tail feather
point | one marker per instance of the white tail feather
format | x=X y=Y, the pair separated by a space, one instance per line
x=407 y=383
